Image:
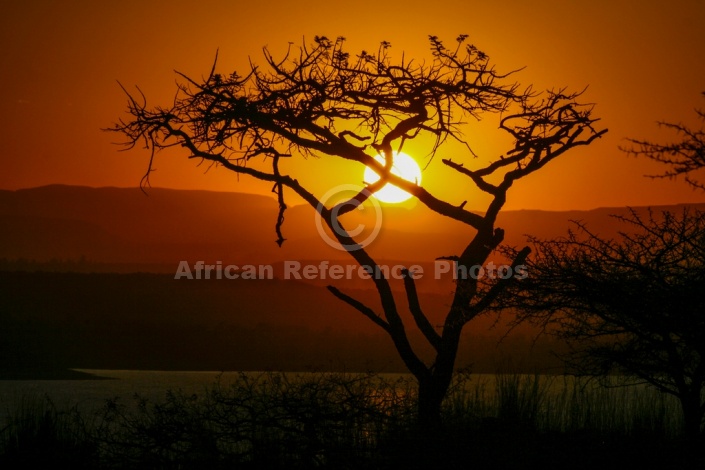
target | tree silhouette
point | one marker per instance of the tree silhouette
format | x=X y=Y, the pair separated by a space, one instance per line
x=632 y=305
x=319 y=99
x=685 y=156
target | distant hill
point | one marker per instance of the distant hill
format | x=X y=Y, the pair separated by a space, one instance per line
x=87 y=280
x=125 y=226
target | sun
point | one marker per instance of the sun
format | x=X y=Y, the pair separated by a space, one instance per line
x=405 y=167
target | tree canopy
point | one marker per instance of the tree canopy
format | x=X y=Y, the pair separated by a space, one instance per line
x=631 y=305
x=319 y=99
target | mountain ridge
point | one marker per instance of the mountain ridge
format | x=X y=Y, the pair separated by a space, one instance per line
x=88 y=316
x=122 y=225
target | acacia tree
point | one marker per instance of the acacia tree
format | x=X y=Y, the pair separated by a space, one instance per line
x=633 y=305
x=318 y=99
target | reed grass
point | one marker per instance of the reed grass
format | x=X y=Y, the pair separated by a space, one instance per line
x=568 y=404
x=276 y=420
x=36 y=433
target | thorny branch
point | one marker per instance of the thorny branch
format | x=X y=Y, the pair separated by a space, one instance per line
x=319 y=100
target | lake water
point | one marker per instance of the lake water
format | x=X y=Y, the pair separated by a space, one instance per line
x=92 y=394
x=89 y=395
x=563 y=393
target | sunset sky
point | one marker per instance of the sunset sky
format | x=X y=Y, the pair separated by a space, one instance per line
x=642 y=62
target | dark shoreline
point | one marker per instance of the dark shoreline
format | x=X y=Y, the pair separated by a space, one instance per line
x=50 y=374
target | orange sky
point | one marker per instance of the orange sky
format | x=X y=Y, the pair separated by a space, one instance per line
x=643 y=62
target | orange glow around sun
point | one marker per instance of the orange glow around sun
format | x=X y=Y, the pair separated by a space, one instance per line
x=52 y=130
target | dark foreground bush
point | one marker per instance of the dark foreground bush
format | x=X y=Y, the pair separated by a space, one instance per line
x=350 y=421
x=259 y=421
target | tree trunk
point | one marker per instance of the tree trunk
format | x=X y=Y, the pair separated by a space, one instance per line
x=434 y=387
x=692 y=413
x=429 y=405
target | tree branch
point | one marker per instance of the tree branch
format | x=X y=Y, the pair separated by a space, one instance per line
x=360 y=307
x=415 y=307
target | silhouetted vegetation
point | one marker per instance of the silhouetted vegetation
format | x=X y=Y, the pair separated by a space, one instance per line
x=278 y=420
x=683 y=156
x=631 y=305
x=37 y=435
